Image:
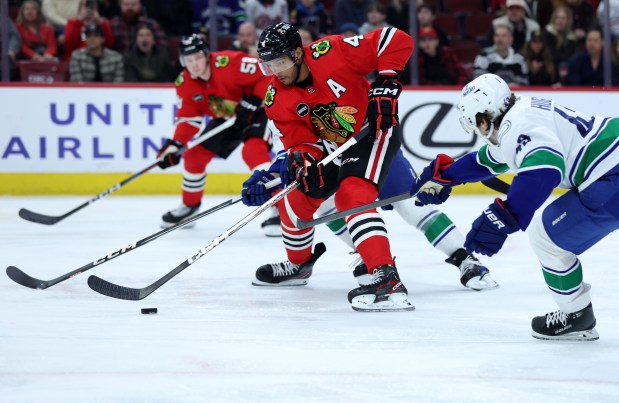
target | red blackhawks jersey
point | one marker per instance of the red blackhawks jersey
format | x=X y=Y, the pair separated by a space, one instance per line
x=333 y=106
x=233 y=76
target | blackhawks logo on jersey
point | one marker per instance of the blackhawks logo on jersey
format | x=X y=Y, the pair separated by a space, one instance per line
x=269 y=98
x=320 y=48
x=220 y=107
x=332 y=122
x=222 y=61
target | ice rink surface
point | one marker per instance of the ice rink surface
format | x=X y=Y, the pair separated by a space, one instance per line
x=217 y=338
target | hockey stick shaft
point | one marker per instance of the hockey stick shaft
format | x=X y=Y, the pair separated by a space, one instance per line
x=497 y=185
x=116 y=291
x=32 y=216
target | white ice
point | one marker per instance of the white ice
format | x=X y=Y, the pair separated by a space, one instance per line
x=217 y=338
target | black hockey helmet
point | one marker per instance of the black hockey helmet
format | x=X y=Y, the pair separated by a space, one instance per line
x=192 y=44
x=278 y=40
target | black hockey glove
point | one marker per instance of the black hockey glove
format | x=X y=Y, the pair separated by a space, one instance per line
x=304 y=168
x=246 y=110
x=382 y=110
x=168 y=154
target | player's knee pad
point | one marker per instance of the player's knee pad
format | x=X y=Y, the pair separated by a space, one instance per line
x=354 y=192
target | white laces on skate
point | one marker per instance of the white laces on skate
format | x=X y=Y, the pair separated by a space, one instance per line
x=377 y=276
x=180 y=210
x=556 y=317
x=469 y=263
x=284 y=268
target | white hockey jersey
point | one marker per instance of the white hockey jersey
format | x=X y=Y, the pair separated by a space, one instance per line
x=538 y=133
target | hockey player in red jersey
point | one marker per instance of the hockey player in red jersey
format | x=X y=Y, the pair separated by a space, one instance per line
x=317 y=100
x=220 y=85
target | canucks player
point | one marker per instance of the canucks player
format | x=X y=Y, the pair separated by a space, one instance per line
x=548 y=146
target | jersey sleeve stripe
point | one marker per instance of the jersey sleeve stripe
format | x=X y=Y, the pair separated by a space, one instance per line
x=385 y=38
x=595 y=152
x=484 y=158
x=195 y=121
x=543 y=158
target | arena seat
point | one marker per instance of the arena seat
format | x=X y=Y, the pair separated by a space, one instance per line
x=43 y=72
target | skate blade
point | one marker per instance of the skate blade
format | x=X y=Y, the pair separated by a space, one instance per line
x=288 y=283
x=396 y=303
x=272 y=231
x=585 y=335
x=483 y=283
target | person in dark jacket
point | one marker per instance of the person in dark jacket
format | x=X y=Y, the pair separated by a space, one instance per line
x=146 y=61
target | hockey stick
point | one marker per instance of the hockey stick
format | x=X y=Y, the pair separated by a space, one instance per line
x=24 y=279
x=497 y=185
x=35 y=217
x=135 y=294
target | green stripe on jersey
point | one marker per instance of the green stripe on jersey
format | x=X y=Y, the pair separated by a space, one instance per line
x=594 y=149
x=483 y=158
x=543 y=159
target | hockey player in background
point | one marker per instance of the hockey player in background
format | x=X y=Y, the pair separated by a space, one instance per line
x=220 y=85
x=548 y=146
x=317 y=100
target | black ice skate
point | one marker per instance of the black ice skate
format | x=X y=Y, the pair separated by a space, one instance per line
x=385 y=293
x=360 y=270
x=180 y=213
x=473 y=274
x=272 y=225
x=287 y=274
x=559 y=325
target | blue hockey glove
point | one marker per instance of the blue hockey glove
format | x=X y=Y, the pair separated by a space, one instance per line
x=254 y=191
x=490 y=230
x=382 y=112
x=304 y=168
x=430 y=187
x=168 y=154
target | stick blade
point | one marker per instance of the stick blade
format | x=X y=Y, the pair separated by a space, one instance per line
x=38 y=218
x=104 y=287
x=24 y=279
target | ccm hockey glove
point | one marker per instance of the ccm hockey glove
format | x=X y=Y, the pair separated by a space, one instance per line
x=246 y=110
x=382 y=110
x=168 y=154
x=254 y=192
x=430 y=187
x=304 y=168
x=490 y=230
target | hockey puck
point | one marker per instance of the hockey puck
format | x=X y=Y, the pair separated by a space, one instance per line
x=147 y=311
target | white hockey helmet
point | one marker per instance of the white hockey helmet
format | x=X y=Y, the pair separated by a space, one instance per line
x=487 y=93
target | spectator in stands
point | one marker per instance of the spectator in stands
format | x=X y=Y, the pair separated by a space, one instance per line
x=74 y=31
x=584 y=18
x=311 y=14
x=426 y=15
x=539 y=61
x=349 y=30
x=108 y=8
x=520 y=24
x=586 y=68
x=307 y=36
x=126 y=25
x=58 y=12
x=38 y=41
x=146 y=61
x=613 y=15
x=397 y=14
x=438 y=65
x=13 y=46
x=377 y=16
x=95 y=62
x=174 y=16
x=266 y=12
x=247 y=39
x=501 y=59
x=354 y=11
x=230 y=15
x=561 y=41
